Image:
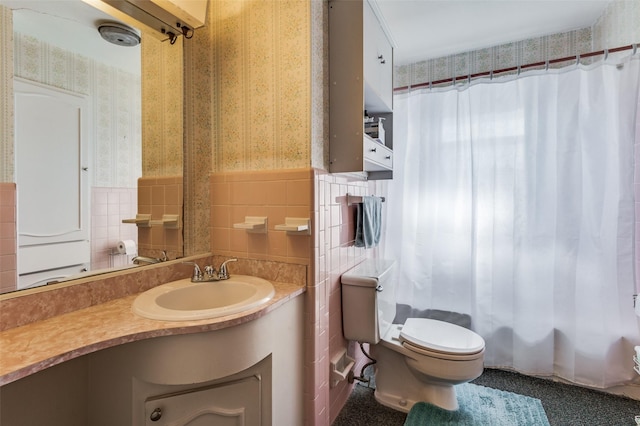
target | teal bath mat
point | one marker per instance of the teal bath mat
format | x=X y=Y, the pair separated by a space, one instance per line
x=481 y=406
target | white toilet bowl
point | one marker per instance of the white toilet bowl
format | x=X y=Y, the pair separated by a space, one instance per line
x=423 y=361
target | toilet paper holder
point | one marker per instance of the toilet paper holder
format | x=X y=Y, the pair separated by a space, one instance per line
x=341 y=365
x=126 y=247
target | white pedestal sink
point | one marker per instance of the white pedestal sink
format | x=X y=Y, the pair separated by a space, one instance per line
x=184 y=300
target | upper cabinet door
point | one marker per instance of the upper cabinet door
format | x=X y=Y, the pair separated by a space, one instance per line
x=385 y=66
x=378 y=64
x=371 y=62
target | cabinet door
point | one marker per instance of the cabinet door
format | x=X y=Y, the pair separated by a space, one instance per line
x=51 y=153
x=371 y=63
x=236 y=403
x=378 y=64
x=385 y=69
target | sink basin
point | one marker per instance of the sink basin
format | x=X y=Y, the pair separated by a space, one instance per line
x=184 y=300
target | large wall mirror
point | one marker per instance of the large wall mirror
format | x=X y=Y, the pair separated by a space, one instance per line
x=97 y=143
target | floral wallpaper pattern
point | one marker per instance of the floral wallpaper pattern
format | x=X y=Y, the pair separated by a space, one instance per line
x=162 y=112
x=248 y=97
x=499 y=57
x=114 y=97
x=6 y=96
x=261 y=65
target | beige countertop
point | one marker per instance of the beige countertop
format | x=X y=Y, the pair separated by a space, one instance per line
x=33 y=347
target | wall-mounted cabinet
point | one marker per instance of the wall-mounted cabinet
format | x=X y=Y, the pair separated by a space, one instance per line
x=361 y=81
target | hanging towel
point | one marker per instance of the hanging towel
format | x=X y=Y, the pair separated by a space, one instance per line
x=368 y=222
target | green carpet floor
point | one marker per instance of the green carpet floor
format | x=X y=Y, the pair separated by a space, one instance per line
x=565 y=405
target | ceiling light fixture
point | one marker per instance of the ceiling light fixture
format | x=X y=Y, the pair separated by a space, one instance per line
x=119 y=34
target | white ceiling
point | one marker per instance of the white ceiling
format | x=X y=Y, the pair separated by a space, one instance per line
x=420 y=29
x=424 y=29
x=72 y=24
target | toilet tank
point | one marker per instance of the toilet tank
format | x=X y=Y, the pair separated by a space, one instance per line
x=368 y=300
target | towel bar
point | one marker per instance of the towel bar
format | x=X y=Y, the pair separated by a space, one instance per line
x=355 y=199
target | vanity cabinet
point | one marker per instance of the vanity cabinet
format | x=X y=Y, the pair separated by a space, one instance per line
x=250 y=373
x=361 y=82
x=231 y=403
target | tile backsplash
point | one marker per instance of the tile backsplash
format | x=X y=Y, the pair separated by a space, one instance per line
x=335 y=253
x=160 y=196
x=108 y=207
x=327 y=253
x=8 y=238
x=275 y=194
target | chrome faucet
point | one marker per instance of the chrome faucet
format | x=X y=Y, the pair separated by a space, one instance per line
x=210 y=273
x=224 y=274
x=197 y=272
x=150 y=260
x=142 y=259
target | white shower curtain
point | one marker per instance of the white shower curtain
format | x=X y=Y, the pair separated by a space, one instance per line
x=513 y=201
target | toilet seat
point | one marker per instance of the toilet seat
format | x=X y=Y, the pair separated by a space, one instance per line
x=442 y=355
x=440 y=339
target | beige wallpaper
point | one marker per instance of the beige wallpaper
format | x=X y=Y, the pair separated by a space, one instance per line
x=248 y=95
x=507 y=55
x=6 y=96
x=261 y=71
x=162 y=107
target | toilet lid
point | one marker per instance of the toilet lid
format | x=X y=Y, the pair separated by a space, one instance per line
x=441 y=336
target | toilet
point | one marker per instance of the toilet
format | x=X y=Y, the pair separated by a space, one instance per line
x=420 y=360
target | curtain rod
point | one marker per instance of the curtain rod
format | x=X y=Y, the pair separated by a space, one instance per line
x=519 y=68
